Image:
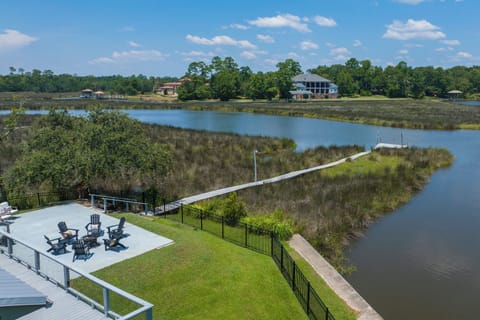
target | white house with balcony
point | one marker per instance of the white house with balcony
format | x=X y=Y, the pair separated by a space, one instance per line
x=310 y=85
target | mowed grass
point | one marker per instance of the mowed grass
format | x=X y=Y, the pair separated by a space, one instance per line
x=200 y=276
x=335 y=305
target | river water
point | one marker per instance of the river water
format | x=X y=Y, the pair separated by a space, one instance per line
x=421 y=261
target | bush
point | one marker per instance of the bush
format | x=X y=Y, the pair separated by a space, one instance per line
x=232 y=209
x=276 y=223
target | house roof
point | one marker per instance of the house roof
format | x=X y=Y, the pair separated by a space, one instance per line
x=455 y=92
x=309 y=77
x=15 y=292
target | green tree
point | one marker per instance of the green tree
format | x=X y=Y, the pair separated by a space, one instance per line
x=105 y=150
x=285 y=72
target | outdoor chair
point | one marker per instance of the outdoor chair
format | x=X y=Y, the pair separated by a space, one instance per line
x=113 y=243
x=116 y=230
x=56 y=245
x=80 y=249
x=6 y=210
x=94 y=226
x=68 y=234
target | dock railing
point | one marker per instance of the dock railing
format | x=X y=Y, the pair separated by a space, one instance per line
x=62 y=275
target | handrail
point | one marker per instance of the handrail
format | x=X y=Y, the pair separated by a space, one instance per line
x=146 y=307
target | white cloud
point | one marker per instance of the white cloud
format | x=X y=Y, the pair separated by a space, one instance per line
x=238 y=26
x=464 y=55
x=339 y=51
x=134 y=44
x=308 y=45
x=198 y=54
x=414 y=2
x=265 y=38
x=413 y=45
x=248 y=55
x=130 y=56
x=12 y=39
x=413 y=29
x=293 y=55
x=324 y=21
x=403 y=51
x=451 y=42
x=221 y=40
x=279 y=21
x=357 y=43
x=444 y=49
x=272 y=62
x=252 y=54
x=340 y=54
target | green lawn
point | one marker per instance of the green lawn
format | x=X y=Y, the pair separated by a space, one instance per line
x=200 y=277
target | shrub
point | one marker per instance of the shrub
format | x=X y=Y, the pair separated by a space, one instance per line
x=275 y=222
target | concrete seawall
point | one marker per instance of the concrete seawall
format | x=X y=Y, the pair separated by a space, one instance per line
x=333 y=279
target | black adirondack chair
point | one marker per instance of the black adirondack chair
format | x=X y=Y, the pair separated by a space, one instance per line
x=116 y=230
x=67 y=233
x=95 y=225
x=80 y=249
x=113 y=243
x=56 y=245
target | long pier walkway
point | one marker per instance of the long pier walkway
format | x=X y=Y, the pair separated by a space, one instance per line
x=207 y=195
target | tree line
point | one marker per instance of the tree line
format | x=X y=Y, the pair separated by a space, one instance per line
x=224 y=79
x=19 y=80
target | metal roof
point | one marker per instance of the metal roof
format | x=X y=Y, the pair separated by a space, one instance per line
x=309 y=77
x=15 y=292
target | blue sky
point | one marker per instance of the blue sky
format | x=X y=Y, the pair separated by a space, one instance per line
x=160 y=38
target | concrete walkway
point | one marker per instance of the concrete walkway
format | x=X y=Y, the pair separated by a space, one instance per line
x=333 y=279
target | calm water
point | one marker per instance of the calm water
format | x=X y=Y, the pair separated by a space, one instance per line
x=423 y=260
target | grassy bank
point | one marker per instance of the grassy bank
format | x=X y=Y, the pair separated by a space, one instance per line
x=405 y=113
x=331 y=207
x=201 y=277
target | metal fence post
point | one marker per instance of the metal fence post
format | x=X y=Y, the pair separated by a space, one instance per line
x=281 y=257
x=223 y=228
x=92 y=200
x=327 y=314
x=37 y=261
x=106 y=301
x=181 y=210
x=104 y=205
x=308 y=298
x=293 y=276
x=271 y=243
x=149 y=314
x=246 y=235
x=66 y=277
x=10 y=247
x=38 y=198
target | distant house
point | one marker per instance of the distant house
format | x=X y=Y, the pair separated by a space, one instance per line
x=170 y=88
x=309 y=85
x=87 y=93
x=99 y=94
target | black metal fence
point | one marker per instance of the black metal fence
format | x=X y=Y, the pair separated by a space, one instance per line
x=40 y=199
x=261 y=241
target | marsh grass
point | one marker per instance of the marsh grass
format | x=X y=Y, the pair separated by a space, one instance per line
x=331 y=207
x=204 y=161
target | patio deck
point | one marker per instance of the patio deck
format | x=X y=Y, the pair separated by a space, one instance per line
x=30 y=228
